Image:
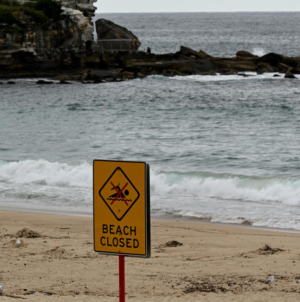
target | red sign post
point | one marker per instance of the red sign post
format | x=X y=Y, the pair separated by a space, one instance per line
x=122 y=212
x=121 y=278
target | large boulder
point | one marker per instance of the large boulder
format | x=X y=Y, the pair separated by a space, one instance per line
x=188 y=52
x=274 y=59
x=107 y=30
x=289 y=75
x=245 y=54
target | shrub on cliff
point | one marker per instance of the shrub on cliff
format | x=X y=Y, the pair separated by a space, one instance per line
x=39 y=11
x=36 y=15
x=51 y=9
x=6 y=16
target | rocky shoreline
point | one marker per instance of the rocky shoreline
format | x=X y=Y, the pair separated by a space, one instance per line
x=126 y=65
x=65 y=50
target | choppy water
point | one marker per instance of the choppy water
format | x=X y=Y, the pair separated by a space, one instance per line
x=220 y=147
x=220 y=34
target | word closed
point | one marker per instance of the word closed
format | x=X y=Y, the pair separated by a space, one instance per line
x=119 y=241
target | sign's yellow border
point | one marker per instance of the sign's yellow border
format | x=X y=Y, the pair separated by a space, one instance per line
x=147 y=211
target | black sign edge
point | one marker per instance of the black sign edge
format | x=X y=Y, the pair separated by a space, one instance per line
x=147 y=210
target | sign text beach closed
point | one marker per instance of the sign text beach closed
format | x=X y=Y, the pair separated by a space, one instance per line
x=121 y=208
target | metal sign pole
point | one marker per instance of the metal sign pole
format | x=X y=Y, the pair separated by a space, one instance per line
x=122 y=211
x=121 y=278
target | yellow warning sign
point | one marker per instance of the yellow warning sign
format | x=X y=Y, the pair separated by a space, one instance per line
x=122 y=208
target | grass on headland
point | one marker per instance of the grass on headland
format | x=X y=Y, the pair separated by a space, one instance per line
x=16 y=14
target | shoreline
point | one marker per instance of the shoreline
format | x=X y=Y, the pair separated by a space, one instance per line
x=205 y=262
x=166 y=218
x=127 y=65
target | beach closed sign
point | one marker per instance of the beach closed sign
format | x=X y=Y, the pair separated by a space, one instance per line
x=122 y=208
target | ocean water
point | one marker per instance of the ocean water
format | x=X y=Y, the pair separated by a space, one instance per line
x=219 y=34
x=223 y=148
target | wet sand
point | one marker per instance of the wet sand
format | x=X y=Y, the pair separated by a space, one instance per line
x=214 y=263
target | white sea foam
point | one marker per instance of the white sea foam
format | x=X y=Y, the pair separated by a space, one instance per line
x=259 y=51
x=286 y=191
x=197 y=184
x=44 y=172
x=244 y=76
x=265 y=201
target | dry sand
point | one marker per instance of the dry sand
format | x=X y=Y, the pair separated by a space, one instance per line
x=214 y=263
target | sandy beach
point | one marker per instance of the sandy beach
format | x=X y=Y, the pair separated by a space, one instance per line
x=214 y=262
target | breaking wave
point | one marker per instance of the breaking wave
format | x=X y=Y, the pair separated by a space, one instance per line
x=46 y=173
x=228 y=187
x=258 y=51
x=197 y=184
x=261 y=201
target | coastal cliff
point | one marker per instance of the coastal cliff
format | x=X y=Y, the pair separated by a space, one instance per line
x=31 y=40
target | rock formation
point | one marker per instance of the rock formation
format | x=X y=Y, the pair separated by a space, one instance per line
x=289 y=75
x=37 y=45
x=109 y=30
x=114 y=37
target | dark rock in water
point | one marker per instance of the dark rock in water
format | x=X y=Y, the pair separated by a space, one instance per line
x=271 y=58
x=277 y=60
x=289 y=75
x=64 y=82
x=190 y=52
x=11 y=82
x=42 y=82
x=276 y=76
x=109 y=30
x=1 y=83
x=245 y=54
x=244 y=75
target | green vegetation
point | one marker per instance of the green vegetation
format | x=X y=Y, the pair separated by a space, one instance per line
x=51 y=9
x=6 y=16
x=37 y=15
x=38 y=11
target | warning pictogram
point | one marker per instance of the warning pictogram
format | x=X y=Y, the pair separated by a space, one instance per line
x=119 y=193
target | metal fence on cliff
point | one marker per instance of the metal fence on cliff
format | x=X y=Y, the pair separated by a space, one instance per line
x=115 y=45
